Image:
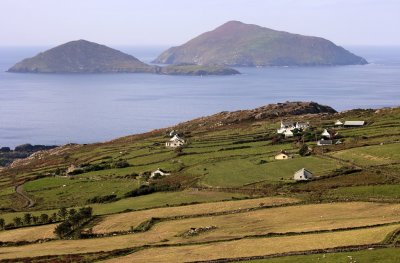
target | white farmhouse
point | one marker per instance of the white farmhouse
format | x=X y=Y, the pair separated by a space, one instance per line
x=288 y=133
x=303 y=175
x=325 y=134
x=302 y=125
x=338 y=123
x=175 y=141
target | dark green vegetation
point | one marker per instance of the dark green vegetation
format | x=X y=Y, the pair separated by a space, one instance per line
x=238 y=44
x=197 y=70
x=227 y=155
x=82 y=56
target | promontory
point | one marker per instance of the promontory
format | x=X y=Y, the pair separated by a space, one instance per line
x=239 y=44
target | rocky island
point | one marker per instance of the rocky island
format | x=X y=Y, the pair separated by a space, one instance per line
x=83 y=56
x=238 y=44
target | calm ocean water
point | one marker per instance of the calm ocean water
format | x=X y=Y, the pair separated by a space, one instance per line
x=58 y=109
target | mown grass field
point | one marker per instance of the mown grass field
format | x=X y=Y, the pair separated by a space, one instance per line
x=257 y=246
x=235 y=226
x=28 y=233
x=126 y=221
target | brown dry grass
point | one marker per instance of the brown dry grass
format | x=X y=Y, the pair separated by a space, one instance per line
x=284 y=219
x=28 y=233
x=124 y=221
x=258 y=246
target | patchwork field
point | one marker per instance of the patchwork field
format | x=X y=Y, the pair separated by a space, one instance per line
x=216 y=201
x=241 y=226
x=126 y=221
x=258 y=246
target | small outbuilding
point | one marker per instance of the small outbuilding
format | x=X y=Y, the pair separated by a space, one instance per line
x=282 y=156
x=354 y=123
x=303 y=175
x=324 y=142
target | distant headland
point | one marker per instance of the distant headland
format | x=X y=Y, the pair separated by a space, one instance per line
x=245 y=45
x=83 y=56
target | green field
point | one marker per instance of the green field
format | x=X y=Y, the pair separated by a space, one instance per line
x=239 y=172
x=143 y=202
x=371 y=155
x=385 y=255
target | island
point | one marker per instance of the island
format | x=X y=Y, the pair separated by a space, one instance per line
x=82 y=56
x=244 y=45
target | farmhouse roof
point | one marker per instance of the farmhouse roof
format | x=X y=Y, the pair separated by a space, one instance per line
x=354 y=123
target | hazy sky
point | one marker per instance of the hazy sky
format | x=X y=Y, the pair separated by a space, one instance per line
x=172 y=22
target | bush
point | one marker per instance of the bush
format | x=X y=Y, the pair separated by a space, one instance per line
x=121 y=164
x=304 y=150
x=149 y=189
x=102 y=199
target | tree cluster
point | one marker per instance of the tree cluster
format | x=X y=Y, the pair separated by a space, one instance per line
x=73 y=221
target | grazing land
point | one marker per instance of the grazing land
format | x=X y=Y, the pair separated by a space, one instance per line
x=224 y=196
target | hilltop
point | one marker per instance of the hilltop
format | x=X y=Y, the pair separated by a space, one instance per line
x=238 y=44
x=83 y=56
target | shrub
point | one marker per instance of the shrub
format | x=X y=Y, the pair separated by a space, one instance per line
x=121 y=164
x=102 y=199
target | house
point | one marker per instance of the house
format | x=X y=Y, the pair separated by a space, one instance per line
x=302 y=125
x=324 y=142
x=282 y=156
x=175 y=141
x=338 y=123
x=290 y=126
x=288 y=133
x=303 y=175
x=159 y=172
x=354 y=123
x=325 y=134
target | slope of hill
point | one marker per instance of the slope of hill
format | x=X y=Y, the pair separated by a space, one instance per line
x=238 y=44
x=351 y=205
x=81 y=56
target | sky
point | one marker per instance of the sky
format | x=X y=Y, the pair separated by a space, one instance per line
x=174 y=22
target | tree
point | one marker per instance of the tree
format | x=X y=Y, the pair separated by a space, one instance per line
x=72 y=212
x=44 y=218
x=53 y=217
x=17 y=221
x=62 y=213
x=2 y=223
x=304 y=150
x=27 y=219
x=35 y=220
x=63 y=229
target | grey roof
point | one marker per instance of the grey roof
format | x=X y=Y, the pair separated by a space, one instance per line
x=325 y=142
x=354 y=123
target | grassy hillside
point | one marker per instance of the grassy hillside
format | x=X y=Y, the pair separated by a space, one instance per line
x=222 y=185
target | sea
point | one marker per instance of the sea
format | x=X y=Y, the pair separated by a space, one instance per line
x=55 y=109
